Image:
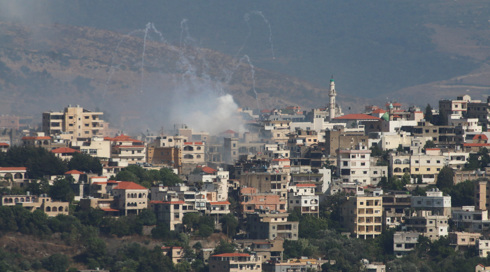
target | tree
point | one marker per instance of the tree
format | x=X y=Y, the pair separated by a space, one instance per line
x=428 y=114
x=229 y=224
x=224 y=247
x=85 y=163
x=168 y=177
x=445 y=178
x=56 y=263
x=147 y=217
x=62 y=190
x=429 y=144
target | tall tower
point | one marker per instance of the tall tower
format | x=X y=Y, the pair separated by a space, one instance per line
x=332 y=95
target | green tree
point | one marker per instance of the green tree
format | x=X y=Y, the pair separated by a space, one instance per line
x=428 y=114
x=56 y=263
x=224 y=247
x=229 y=224
x=168 y=177
x=62 y=190
x=147 y=217
x=429 y=144
x=85 y=163
x=445 y=178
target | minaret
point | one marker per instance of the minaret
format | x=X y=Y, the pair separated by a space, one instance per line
x=332 y=95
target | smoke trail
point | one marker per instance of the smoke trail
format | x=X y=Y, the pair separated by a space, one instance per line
x=252 y=70
x=261 y=14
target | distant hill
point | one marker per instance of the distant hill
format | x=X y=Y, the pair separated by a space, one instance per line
x=100 y=69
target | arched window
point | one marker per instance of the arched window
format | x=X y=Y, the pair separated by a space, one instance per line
x=48 y=209
x=188 y=156
x=140 y=195
x=55 y=209
x=21 y=199
x=188 y=148
x=18 y=176
x=406 y=170
x=406 y=161
x=16 y=200
x=398 y=170
x=60 y=208
x=398 y=161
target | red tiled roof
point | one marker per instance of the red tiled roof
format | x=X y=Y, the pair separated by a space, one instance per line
x=64 y=150
x=379 y=111
x=480 y=137
x=75 y=172
x=232 y=255
x=122 y=138
x=306 y=185
x=208 y=170
x=280 y=160
x=112 y=181
x=99 y=182
x=128 y=185
x=476 y=144
x=13 y=168
x=129 y=146
x=220 y=203
x=356 y=116
x=193 y=143
x=229 y=131
x=265 y=111
x=4 y=144
x=36 y=138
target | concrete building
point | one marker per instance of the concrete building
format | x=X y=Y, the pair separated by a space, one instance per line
x=353 y=165
x=433 y=201
x=130 y=198
x=362 y=216
x=343 y=139
x=267 y=183
x=483 y=248
x=303 y=198
x=127 y=149
x=235 y=262
x=95 y=147
x=32 y=203
x=404 y=242
x=427 y=224
x=271 y=225
x=75 y=121
x=463 y=239
x=251 y=201
x=394 y=206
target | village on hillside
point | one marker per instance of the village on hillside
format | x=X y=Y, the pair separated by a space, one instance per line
x=389 y=184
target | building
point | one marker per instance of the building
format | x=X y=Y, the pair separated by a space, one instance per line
x=404 y=242
x=267 y=183
x=433 y=201
x=394 y=206
x=303 y=198
x=77 y=122
x=463 y=239
x=362 y=216
x=271 y=225
x=32 y=203
x=235 y=262
x=354 y=165
x=175 y=253
x=130 y=198
x=427 y=224
x=303 y=264
x=251 y=201
x=483 y=248
x=127 y=149
x=95 y=147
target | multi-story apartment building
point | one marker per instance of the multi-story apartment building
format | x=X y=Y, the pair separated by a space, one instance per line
x=271 y=225
x=127 y=149
x=442 y=136
x=362 y=215
x=303 y=197
x=343 y=139
x=394 y=205
x=95 y=147
x=130 y=198
x=480 y=110
x=463 y=239
x=469 y=219
x=171 y=212
x=75 y=121
x=404 y=242
x=454 y=109
x=267 y=182
x=354 y=165
x=250 y=201
x=193 y=153
x=427 y=224
x=433 y=201
x=427 y=166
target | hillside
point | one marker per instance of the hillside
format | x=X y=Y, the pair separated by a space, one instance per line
x=49 y=67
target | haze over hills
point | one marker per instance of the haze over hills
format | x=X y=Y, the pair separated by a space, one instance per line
x=411 y=51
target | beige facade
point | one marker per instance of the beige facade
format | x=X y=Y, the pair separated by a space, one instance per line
x=130 y=197
x=32 y=203
x=75 y=121
x=271 y=225
x=427 y=224
x=463 y=239
x=193 y=153
x=267 y=182
x=95 y=147
x=362 y=215
x=127 y=149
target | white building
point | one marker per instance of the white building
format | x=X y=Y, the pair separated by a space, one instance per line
x=404 y=242
x=354 y=165
x=434 y=201
x=302 y=197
